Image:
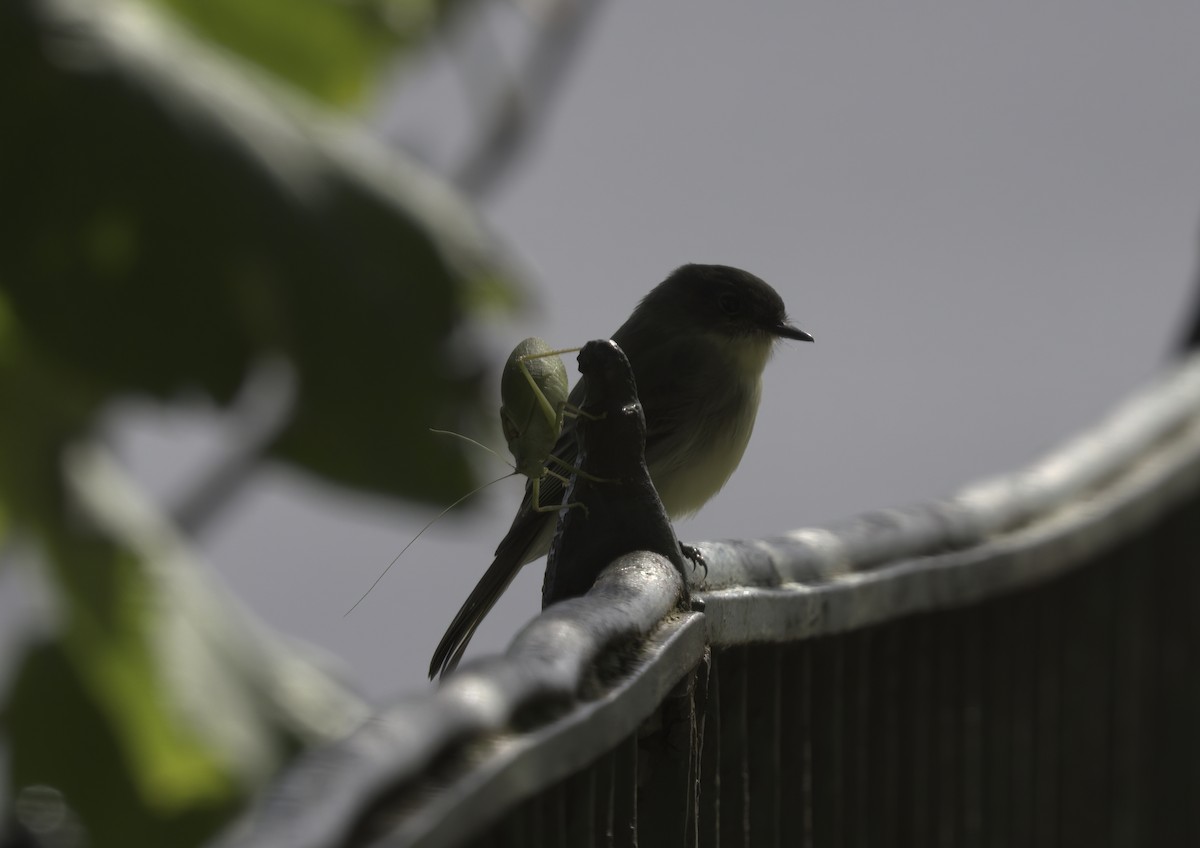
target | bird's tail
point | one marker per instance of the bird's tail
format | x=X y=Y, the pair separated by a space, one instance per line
x=527 y=539
x=478 y=604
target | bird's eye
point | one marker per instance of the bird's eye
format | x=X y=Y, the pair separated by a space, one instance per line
x=730 y=304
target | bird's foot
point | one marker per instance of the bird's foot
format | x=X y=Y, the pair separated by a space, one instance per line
x=696 y=556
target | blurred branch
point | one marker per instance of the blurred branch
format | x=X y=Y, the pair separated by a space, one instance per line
x=1190 y=339
x=520 y=106
x=264 y=406
x=214 y=645
x=157 y=703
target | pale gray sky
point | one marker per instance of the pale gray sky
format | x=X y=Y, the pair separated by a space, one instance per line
x=985 y=213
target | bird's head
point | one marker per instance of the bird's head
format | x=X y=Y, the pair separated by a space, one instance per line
x=726 y=302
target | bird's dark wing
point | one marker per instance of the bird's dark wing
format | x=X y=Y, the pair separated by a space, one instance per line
x=689 y=380
x=516 y=548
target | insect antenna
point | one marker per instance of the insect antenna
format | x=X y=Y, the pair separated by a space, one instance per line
x=431 y=522
x=478 y=445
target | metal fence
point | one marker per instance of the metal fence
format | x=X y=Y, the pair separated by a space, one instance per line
x=1018 y=665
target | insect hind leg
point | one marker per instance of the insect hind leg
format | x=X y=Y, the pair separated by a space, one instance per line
x=569 y=467
x=536 y=497
x=553 y=415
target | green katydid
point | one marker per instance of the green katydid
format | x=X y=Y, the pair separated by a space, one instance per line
x=533 y=391
x=533 y=404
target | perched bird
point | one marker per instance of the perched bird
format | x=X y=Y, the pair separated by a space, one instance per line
x=698 y=343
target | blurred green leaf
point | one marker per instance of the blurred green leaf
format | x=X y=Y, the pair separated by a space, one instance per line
x=91 y=710
x=109 y=643
x=59 y=734
x=333 y=49
x=330 y=49
x=158 y=706
x=182 y=217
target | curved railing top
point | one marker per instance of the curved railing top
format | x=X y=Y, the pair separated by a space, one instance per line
x=586 y=672
x=994 y=536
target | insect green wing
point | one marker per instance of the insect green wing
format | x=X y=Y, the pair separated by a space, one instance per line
x=533 y=393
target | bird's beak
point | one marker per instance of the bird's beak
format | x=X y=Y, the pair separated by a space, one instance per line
x=787 y=331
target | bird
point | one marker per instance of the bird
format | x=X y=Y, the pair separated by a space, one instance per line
x=698 y=344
